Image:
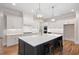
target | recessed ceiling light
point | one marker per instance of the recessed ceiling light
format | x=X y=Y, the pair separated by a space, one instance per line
x=1 y=14
x=32 y=10
x=13 y=4
x=53 y=20
x=72 y=10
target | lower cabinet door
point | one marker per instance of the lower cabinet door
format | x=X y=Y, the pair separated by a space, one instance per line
x=30 y=50
x=12 y=40
x=40 y=49
x=21 y=48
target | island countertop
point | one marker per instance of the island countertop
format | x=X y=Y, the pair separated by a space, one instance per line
x=35 y=40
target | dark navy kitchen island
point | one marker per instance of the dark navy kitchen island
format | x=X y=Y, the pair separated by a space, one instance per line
x=40 y=45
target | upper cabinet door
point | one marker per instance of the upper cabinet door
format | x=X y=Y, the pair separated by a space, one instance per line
x=11 y=21
x=14 y=22
x=19 y=22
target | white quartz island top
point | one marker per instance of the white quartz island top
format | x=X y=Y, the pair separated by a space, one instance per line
x=35 y=40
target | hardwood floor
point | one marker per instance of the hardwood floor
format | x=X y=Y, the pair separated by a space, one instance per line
x=13 y=50
x=69 y=48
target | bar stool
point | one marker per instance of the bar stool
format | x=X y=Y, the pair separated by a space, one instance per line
x=49 y=49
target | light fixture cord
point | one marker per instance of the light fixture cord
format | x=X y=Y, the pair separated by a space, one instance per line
x=52 y=11
x=39 y=6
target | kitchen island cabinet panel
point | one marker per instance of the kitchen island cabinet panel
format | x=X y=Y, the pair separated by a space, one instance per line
x=21 y=47
x=45 y=48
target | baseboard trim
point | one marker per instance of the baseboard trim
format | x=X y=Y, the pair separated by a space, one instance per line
x=70 y=40
x=76 y=42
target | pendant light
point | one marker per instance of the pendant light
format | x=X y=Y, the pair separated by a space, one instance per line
x=52 y=14
x=38 y=14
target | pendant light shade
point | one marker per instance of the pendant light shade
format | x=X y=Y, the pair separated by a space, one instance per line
x=38 y=13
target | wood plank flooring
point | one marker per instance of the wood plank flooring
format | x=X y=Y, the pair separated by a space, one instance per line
x=69 y=48
x=13 y=50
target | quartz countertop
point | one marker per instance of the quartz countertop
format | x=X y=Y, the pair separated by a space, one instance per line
x=35 y=40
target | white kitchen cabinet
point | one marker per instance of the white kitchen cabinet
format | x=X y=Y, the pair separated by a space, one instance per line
x=13 y=29
x=55 y=30
x=12 y=40
x=10 y=19
x=14 y=22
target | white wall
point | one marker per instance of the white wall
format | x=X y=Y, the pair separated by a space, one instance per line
x=54 y=27
x=60 y=23
x=77 y=28
x=57 y=26
x=29 y=24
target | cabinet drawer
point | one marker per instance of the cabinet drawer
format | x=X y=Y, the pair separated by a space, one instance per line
x=12 y=41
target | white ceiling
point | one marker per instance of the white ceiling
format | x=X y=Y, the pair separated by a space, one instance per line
x=59 y=8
